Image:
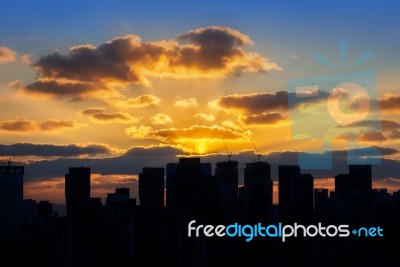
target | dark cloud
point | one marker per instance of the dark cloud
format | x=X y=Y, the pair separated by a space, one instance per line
x=45 y=150
x=58 y=89
x=254 y=103
x=373 y=125
x=26 y=126
x=372 y=137
x=263 y=118
x=205 y=52
x=135 y=159
x=98 y=114
x=390 y=103
x=53 y=125
x=17 y=126
x=395 y=134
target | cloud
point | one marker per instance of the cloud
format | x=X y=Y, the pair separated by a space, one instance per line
x=48 y=150
x=205 y=117
x=193 y=134
x=395 y=134
x=7 y=55
x=372 y=137
x=26 y=59
x=15 y=84
x=99 y=115
x=27 y=126
x=186 y=103
x=374 y=125
x=45 y=88
x=18 y=125
x=210 y=52
x=141 y=132
x=136 y=158
x=390 y=103
x=275 y=119
x=141 y=101
x=160 y=119
x=253 y=103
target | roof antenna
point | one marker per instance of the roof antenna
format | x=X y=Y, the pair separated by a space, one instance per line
x=227 y=153
x=255 y=150
x=9 y=162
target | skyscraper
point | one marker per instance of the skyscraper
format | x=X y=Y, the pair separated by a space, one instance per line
x=11 y=202
x=77 y=190
x=151 y=188
x=186 y=182
x=257 y=180
x=285 y=172
x=358 y=179
x=296 y=192
x=226 y=176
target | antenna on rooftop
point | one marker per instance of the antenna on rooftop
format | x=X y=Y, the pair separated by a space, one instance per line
x=226 y=149
x=9 y=162
x=255 y=150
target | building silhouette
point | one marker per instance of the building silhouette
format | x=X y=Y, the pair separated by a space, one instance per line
x=258 y=187
x=186 y=185
x=151 y=189
x=226 y=176
x=121 y=233
x=77 y=191
x=11 y=202
x=296 y=194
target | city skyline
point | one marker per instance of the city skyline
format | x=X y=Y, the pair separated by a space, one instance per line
x=122 y=87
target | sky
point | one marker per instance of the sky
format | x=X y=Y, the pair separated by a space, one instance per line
x=119 y=85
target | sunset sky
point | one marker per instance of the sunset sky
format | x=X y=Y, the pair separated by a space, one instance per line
x=118 y=85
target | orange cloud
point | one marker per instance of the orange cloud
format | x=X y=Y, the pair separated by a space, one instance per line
x=372 y=137
x=205 y=117
x=186 y=103
x=390 y=103
x=99 y=115
x=7 y=55
x=27 y=126
x=275 y=119
x=141 y=101
x=210 y=52
x=51 y=88
x=253 y=103
x=192 y=134
x=160 y=119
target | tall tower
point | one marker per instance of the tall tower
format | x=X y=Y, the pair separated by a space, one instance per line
x=257 y=180
x=186 y=182
x=151 y=188
x=226 y=176
x=77 y=190
x=11 y=202
x=296 y=194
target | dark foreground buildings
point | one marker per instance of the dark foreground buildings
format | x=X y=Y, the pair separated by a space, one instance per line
x=123 y=233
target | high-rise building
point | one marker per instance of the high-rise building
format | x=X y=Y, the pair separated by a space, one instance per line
x=11 y=202
x=77 y=191
x=186 y=182
x=358 y=179
x=257 y=178
x=226 y=177
x=296 y=192
x=285 y=172
x=151 y=188
x=300 y=204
